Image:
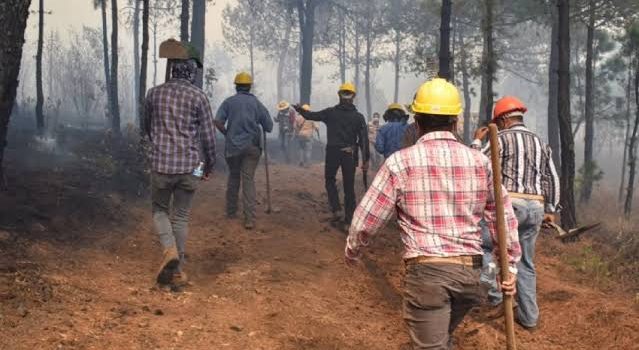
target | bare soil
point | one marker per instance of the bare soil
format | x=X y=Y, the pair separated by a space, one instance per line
x=77 y=265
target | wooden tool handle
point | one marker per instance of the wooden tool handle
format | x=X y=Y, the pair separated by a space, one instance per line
x=501 y=231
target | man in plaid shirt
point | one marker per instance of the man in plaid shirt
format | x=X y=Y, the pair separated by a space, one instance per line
x=441 y=190
x=180 y=124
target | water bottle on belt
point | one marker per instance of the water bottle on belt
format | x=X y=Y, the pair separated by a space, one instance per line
x=199 y=171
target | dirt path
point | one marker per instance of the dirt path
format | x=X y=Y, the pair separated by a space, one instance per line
x=283 y=286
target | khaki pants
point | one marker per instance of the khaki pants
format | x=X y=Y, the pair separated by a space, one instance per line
x=172 y=196
x=242 y=173
x=436 y=299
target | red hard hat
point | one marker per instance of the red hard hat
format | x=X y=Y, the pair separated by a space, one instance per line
x=506 y=105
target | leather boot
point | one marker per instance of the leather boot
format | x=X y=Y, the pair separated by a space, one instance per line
x=170 y=262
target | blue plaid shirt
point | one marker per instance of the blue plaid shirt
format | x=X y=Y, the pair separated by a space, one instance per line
x=181 y=128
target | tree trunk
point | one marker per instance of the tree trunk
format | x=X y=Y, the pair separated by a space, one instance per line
x=627 y=133
x=115 y=107
x=144 y=63
x=105 y=50
x=632 y=147
x=136 y=57
x=40 y=93
x=488 y=63
x=465 y=85
x=281 y=63
x=553 y=80
x=589 y=164
x=306 y=10
x=155 y=53
x=13 y=21
x=357 y=60
x=198 y=25
x=342 y=48
x=397 y=60
x=444 y=40
x=184 y=20
x=367 y=71
x=568 y=215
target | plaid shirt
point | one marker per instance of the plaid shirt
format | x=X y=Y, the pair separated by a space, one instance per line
x=441 y=190
x=180 y=121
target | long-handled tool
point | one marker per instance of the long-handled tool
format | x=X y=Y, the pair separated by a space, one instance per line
x=501 y=231
x=268 y=176
x=566 y=236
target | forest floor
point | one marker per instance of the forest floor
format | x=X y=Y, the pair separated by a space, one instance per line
x=77 y=266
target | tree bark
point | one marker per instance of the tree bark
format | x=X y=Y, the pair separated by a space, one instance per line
x=367 y=70
x=568 y=214
x=306 y=11
x=589 y=163
x=143 y=64
x=155 y=53
x=465 y=85
x=39 y=90
x=397 y=60
x=488 y=63
x=444 y=40
x=627 y=133
x=198 y=25
x=13 y=21
x=357 y=60
x=281 y=64
x=184 y=20
x=136 y=57
x=115 y=108
x=107 y=65
x=553 y=80
x=632 y=147
x=342 y=48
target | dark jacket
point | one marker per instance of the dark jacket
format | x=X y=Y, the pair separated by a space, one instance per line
x=345 y=126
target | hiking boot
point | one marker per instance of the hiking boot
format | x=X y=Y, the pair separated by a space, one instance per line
x=170 y=262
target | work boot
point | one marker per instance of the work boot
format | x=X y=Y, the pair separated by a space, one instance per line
x=180 y=279
x=170 y=262
x=249 y=225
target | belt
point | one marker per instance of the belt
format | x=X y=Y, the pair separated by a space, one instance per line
x=533 y=197
x=465 y=260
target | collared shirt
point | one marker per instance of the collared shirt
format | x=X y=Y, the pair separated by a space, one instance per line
x=527 y=165
x=389 y=138
x=180 y=122
x=441 y=190
x=243 y=115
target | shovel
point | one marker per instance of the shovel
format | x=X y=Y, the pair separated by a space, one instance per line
x=572 y=233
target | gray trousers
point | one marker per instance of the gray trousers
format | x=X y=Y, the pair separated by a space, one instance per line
x=242 y=172
x=172 y=196
x=436 y=299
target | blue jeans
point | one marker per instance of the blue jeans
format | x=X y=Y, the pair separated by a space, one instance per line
x=530 y=215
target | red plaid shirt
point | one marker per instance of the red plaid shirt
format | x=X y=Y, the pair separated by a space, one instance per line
x=441 y=190
x=181 y=127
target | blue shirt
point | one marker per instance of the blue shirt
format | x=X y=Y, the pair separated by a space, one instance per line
x=389 y=138
x=243 y=114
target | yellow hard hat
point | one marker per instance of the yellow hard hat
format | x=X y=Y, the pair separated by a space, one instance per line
x=283 y=105
x=243 y=78
x=348 y=87
x=396 y=106
x=437 y=97
x=306 y=107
